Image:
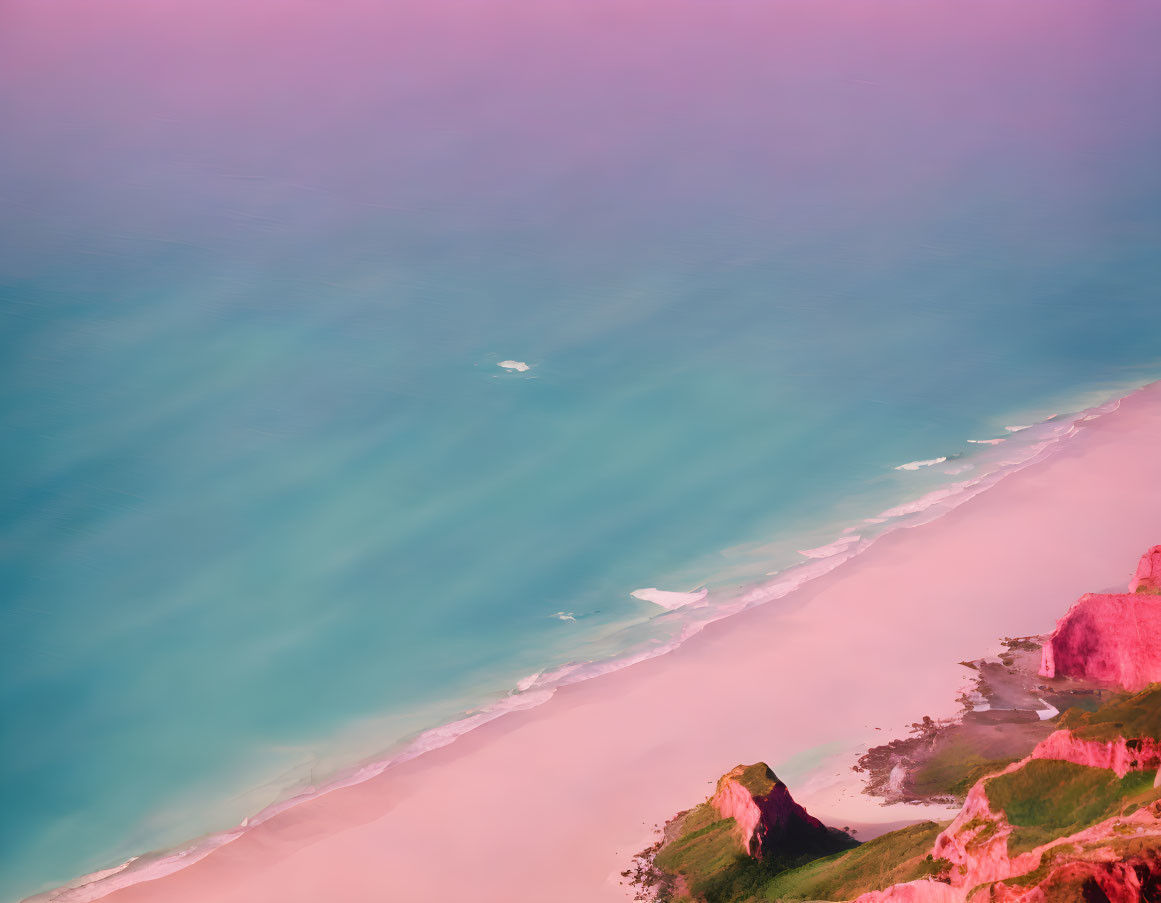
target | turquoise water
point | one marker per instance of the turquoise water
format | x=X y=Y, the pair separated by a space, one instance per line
x=270 y=505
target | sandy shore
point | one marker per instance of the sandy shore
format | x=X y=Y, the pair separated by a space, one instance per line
x=550 y=804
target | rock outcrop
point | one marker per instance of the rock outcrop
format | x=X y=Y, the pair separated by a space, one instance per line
x=922 y=891
x=1120 y=755
x=769 y=821
x=1034 y=831
x=1112 y=639
x=976 y=843
x=1132 y=880
x=1148 y=576
x=1071 y=867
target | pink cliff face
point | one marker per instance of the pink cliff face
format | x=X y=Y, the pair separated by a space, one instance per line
x=768 y=822
x=1148 y=576
x=922 y=891
x=1120 y=755
x=1130 y=881
x=1114 y=639
x=976 y=843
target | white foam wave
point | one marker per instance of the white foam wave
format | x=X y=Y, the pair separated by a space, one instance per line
x=930 y=500
x=985 y=441
x=667 y=599
x=549 y=676
x=1017 y=429
x=915 y=465
x=831 y=548
x=799 y=575
x=147 y=868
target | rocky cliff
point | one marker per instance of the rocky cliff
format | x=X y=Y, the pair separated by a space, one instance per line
x=750 y=830
x=1119 y=756
x=768 y=819
x=1077 y=819
x=922 y=891
x=1148 y=576
x=1113 y=639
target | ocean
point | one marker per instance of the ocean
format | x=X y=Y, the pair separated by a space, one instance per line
x=272 y=507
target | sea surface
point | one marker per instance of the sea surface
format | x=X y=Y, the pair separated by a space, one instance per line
x=271 y=509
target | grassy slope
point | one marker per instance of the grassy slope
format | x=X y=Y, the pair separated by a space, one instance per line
x=958 y=761
x=893 y=858
x=707 y=853
x=1138 y=715
x=757 y=779
x=1047 y=799
x=1043 y=800
x=706 y=845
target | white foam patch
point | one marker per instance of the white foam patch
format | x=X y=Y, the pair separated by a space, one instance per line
x=1050 y=711
x=548 y=677
x=915 y=465
x=1016 y=429
x=667 y=599
x=923 y=503
x=832 y=548
x=518 y=366
x=897 y=776
x=985 y=441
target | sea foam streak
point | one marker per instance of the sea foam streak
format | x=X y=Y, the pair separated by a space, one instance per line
x=1042 y=439
x=667 y=599
x=915 y=465
x=831 y=548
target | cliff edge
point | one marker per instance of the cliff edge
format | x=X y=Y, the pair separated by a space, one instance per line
x=1112 y=638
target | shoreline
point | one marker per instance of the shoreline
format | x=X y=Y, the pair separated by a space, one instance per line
x=316 y=816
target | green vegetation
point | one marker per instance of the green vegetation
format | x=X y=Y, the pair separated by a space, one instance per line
x=706 y=845
x=757 y=779
x=707 y=854
x=959 y=760
x=1057 y=856
x=893 y=858
x=1047 y=799
x=1136 y=715
x=1043 y=800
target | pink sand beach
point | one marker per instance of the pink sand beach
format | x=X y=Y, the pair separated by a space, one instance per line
x=550 y=804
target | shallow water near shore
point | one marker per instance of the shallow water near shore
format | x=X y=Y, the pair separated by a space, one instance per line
x=273 y=508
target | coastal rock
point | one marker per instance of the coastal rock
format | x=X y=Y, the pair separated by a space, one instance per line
x=1113 y=639
x=1148 y=576
x=1088 y=864
x=922 y=891
x=1120 y=755
x=769 y=820
x=976 y=843
x=1133 y=880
